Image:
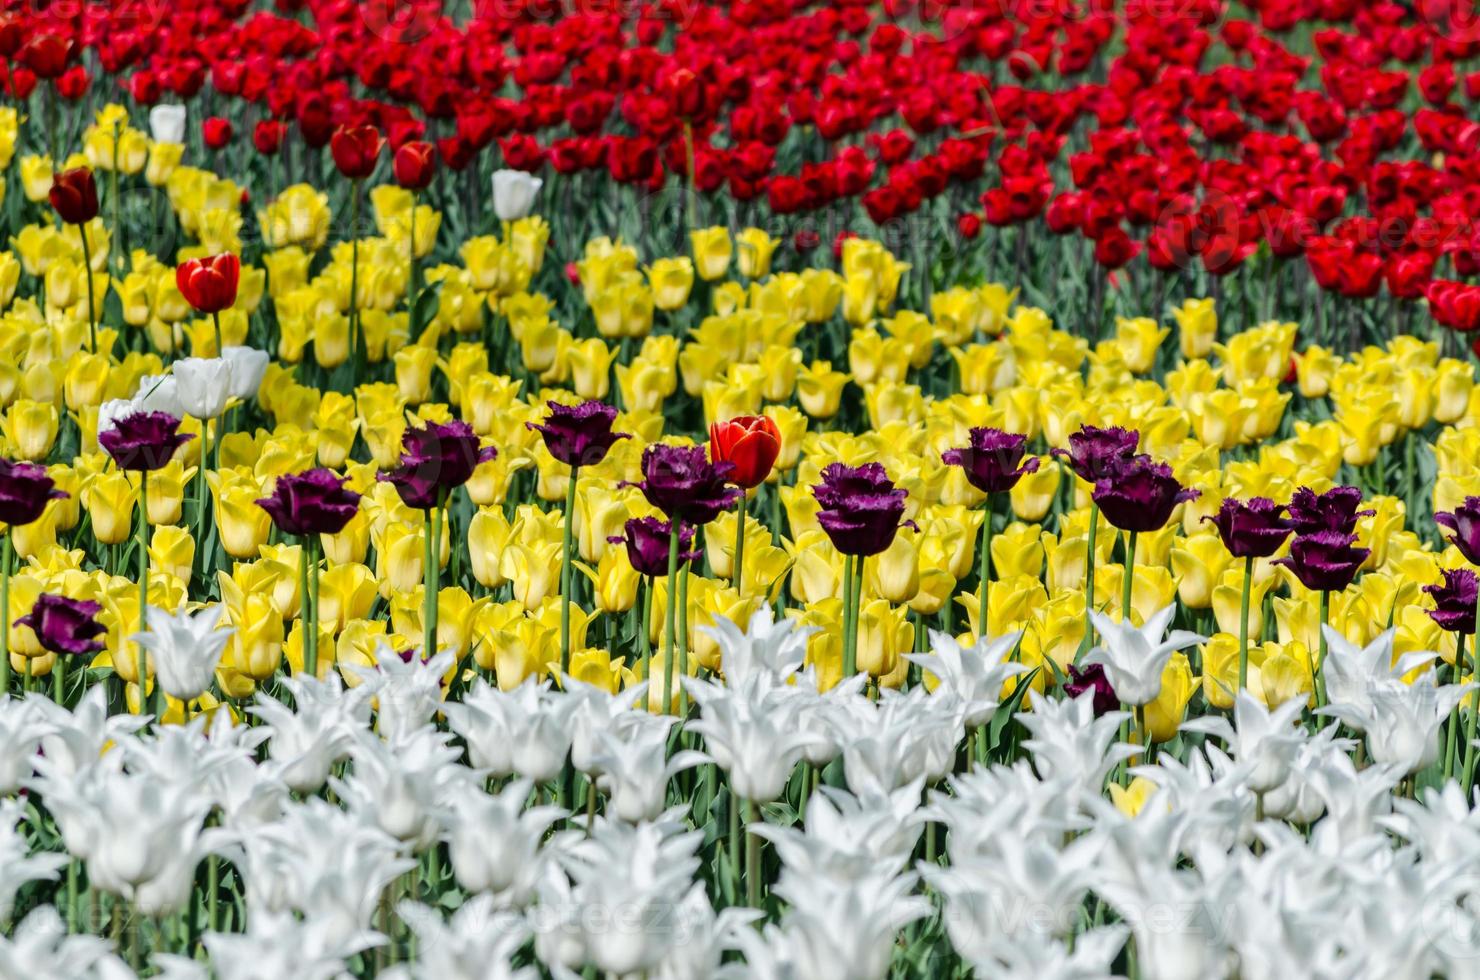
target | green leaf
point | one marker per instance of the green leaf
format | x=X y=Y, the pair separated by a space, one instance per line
x=1008 y=709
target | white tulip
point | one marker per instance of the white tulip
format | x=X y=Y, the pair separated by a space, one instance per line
x=167 y=123
x=494 y=842
x=1265 y=741
x=972 y=676
x=42 y=949
x=18 y=867
x=514 y=192
x=635 y=770
x=1134 y=658
x=203 y=385
x=184 y=649
x=248 y=365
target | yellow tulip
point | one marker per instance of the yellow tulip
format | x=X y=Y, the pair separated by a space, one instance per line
x=670 y=280
x=31 y=428
x=109 y=499
x=712 y=250
x=172 y=551
x=820 y=389
x=1165 y=714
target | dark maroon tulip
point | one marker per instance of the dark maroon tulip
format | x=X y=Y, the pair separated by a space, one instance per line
x=24 y=490
x=1093 y=451
x=647 y=540
x=143 y=441
x=74 y=196
x=1252 y=528
x=862 y=509
x=1325 y=561
x=1464 y=521
x=579 y=435
x=436 y=458
x=682 y=483
x=1140 y=495
x=994 y=460
x=1334 y=510
x=312 y=502
x=1454 y=601
x=65 y=625
x=1092 y=678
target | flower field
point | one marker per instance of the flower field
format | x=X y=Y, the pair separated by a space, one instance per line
x=685 y=490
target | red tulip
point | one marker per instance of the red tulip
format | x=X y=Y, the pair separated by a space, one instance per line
x=414 y=164
x=267 y=136
x=216 y=132
x=74 y=196
x=72 y=84
x=751 y=442
x=355 y=150
x=46 y=55
x=209 y=284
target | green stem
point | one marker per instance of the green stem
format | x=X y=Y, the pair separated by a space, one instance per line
x=213 y=887
x=92 y=303
x=669 y=618
x=141 y=661
x=354 y=287
x=1089 y=579
x=1130 y=576
x=1320 y=665
x=308 y=658
x=693 y=193
x=313 y=603
x=850 y=661
x=1451 y=749
x=566 y=579
x=429 y=576
x=737 y=574
x=752 y=858
x=5 y=550
x=986 y=569
x=1243 y=625
x=202 y=495
x=683 y=640
x=644 y=638
x=1469 y=770
x=736 y=842
x=216 y=323
x=412 y=294
x=58 y=679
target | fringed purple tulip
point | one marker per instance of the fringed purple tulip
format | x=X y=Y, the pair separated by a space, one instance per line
x=861 y=508
x=312 y=502
x=1454 y=601
x=682 y=483
x=25 y=489
x=993 y=462
x=1325 y=561
x=1093 y=452
x=1335 y=510
x=65 y=626
x=1139 y=495
x=647 y=542
x=143 y=441
x=579 y=435
x=1464 y=521
x=1252 y=528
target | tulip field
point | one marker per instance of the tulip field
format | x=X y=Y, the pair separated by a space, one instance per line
x=794 y=491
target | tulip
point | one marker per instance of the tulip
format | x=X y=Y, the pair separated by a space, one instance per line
x=25 y=490
x=210 y=286
x=514 y=192
x=74 y=197
x=216 y=132
x=1335 y=511
x=167 y=123
x=1138 y=495
x=185 y=649
x=751 y=444
x=1252 y=529
x=576 y=436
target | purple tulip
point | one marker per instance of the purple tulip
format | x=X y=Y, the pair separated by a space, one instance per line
x=24 y=490
x=1092 y=678
x=1251 y=528
x=579 y=435
x=1334 y=510
x=994 y=460
x=312 y=502
x=1140 y=495
x=1464 y=521
x=647 y=541
x=65 y=625
x=861 y=508
x=1093 y=452
x=1325 y=561
x=1454 y=601
x=682 y=483
x=143 y=441
x=436 y=458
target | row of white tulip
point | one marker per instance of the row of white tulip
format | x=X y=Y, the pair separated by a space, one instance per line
x=1266 y=849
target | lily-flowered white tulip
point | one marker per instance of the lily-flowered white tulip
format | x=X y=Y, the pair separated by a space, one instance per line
x=1069 y=743
x=307 y=742
x=248 y=366
x=22 y=725
x=278 y=945
x=514 y=192
x=526 y=730
x=479 y=942
x=397 y=785
x=1265 y=740
x=973 y=675
x=1352 y=674
x=1134 y=658
x=1401 y=720
x=42 y=949
x=167 y=123
x=184 y=649
x=750 y=732
x=635 y=766
x=203 y=385
x=18 y=867
x=493 y=839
